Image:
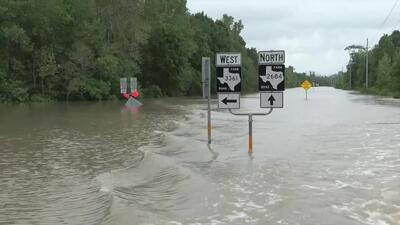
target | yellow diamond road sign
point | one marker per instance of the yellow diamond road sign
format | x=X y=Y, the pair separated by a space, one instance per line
x=306 y=85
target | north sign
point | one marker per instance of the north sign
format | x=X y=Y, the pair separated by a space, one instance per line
x=271 y=78
x=271 y=57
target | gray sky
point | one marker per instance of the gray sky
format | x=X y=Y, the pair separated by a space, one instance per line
x=314 y=33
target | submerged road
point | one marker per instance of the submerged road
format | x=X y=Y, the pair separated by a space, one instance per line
x=334 y=159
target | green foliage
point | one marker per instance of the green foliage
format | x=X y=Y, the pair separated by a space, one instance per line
x=12 y=90
x=107 y=67
x=153 y=91
x=78 y=50
x=166 y=61
x=295 y=79
x=384 y=68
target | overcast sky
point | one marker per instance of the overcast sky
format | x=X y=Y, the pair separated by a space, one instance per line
x=314 y=33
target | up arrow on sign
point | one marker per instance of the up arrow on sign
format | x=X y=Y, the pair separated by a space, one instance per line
x=271 y=100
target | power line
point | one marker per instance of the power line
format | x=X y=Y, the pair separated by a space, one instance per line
x=389 y=14
x=378 y=33
x=397 y=24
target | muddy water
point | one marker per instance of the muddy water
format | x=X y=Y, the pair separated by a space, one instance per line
x=334 y=159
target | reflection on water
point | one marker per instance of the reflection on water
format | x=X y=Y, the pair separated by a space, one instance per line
x=333 y=159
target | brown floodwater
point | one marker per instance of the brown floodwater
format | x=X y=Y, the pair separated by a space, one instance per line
x=333 y=159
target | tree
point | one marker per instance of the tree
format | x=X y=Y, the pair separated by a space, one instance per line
x=384 y=66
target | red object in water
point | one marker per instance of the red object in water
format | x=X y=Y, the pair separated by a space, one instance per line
x=135 y=94
x=125 y=95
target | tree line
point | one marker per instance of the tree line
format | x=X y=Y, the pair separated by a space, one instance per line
x=383 y=68
x=78 y=50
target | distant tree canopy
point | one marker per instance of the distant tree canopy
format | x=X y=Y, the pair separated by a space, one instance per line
x=78 y=50
x=383 y=66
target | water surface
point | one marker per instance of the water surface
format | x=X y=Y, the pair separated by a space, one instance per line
x=334 y=159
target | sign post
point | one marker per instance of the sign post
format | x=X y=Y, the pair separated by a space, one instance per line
x=133 y=84
x=306 y=85
x=206 y=75
x=271 y=84
x=132 y=94
x=123 y=85
x=229 y=77
x=250 y=115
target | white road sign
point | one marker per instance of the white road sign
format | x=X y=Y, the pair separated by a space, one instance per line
x=271 y=57
x=228 y=59
x=133 y=84
x=229 y=101
x=271 y=79
x=123 y=85
x=230 y=78
x=271 y=100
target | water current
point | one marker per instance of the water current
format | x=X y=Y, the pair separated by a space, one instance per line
x=333 y=159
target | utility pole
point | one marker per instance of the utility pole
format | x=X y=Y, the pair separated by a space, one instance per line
x=350 y=72
x=366 y=67
x=353 y=49
x=350 y=76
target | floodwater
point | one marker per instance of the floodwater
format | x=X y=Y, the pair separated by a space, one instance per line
x=333 y=159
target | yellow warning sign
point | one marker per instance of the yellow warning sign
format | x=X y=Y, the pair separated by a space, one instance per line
x=306 y=85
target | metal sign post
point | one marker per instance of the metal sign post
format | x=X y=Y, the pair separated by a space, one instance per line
x=206 y=75
x=250 y=115
x=229 y=77
x=271 y=80
x=306 y=85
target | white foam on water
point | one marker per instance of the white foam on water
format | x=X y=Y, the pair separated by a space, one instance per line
x=368 y=172
x=274 y=199
x=174 y=223
x=340 y=184
x=251 y=204
x=215 y=222
x=374 y=218
x=282 y=222
x=371 y=212
x=313 y=187
x=341 y=209
x=236 y=215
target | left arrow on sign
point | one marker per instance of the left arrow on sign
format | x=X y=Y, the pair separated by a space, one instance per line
x=226 y=101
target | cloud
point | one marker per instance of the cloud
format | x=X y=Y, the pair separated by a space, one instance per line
x=313 y=33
